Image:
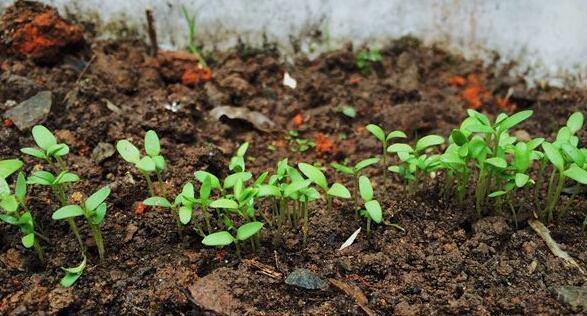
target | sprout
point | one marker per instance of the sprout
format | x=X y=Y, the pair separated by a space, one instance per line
x=224 y=238
x=72 y=274
x=366 y=58
x=337 y=190
x=384 y=138
x=372 y=211
x=355 y=172
x=48 y=149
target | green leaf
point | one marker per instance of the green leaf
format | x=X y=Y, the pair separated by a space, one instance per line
x=9 y=166
x=97 y=198
x=574 y=154
x=66 y=177
x=72 y=274
x=374 y=211
x=399 y=147
x=521 y=179
x=157 y=201
x=221 y=238
x=575 y=122
x=20 y=187
x=365 y=163
x=261 y=178
x=521 y=159
x=98 y=217
x=33 y=152
x=242 y=150
x=58 y=150
x=247 y=230
x=342 y=168
x=269 y=190
x=152 y=145
x=67 y=211
x=201 y=175
x=224 y=203
x=576 y=173
x=28 y=240
x=365 y=188
x=497 y=162
x=231 y=180
x=554 y=156
x=532 y=144
x=497 y=193
x=339 y=190
x=515 y=119
x=159 y=162
x=479 y=128
x=185 y=214
x=396 y=134
x=205 y=190
x=128 y=151
x=9 y=204
x=458 y=137
x=146 y=164
x=314 y=174
x=4 y=188
x=42 y=178
x=9 y=219
x=564 y=135
x=296 y=186
x=480 y=117
x=347 y=110
x=376 y=131
x=429 y=141
x=43 y=137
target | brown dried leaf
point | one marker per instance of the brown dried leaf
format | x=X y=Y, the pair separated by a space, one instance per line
x=258 y=119
x=356 y=293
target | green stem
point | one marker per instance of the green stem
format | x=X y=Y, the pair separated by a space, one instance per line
x=356 y=194
x=99 y=240
x=39 y=251
x=539 y=182
x=329 y=202
x=206 y=218
x=238 y=248
x=384 y=161
x=368 y=227
x=565 y=208
x=161 y=186
x=75 y=230
x=549 y=195
x=43 y=237
x=305 y=228
x=149 y=182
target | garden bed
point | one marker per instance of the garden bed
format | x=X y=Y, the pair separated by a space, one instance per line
x=444 y=261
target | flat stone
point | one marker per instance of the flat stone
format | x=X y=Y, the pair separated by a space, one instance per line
x=575 y=296
x=31 y=111
x=212 y=293
x=306 y=279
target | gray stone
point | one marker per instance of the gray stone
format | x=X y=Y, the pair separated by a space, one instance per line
x=31 y=111
x=102 y=151
x=306 y=279
x=575 y=296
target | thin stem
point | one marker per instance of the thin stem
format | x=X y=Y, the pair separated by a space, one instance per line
x=305 y=228
x=565 y=208
x=43 y=237
x=207 y=218
x=356 y=194
x=39 y=251
x=149 y=182
x=161 y=186
x=539 y=182
x=368 y=227
x=384 y=161
x=329 y=202
x=73 y=227
x=99 y=240
x=238 y=249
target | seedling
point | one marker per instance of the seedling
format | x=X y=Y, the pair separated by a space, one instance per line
x=355 y=172
x=94 y=211
x=366 y=58
x=225 y=238
x=337 y=190
x=237 y=162
x=298 y=144
x=8 y=167
x=153 y=162
x=372 y=211
x=192 y=32
x=72 y=274
x=384 y=138
x=347 y=110
x=48 y=148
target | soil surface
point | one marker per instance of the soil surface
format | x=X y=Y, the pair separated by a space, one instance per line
x=444 y=261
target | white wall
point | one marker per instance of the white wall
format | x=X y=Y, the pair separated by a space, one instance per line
x=548 y=37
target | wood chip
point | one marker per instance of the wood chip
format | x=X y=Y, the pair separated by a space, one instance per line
x=544 y=233
x=356 y=293
x=263 y=268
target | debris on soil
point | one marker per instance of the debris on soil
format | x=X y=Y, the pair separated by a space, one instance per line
x=350 y=240
x=324 y=144
x=356 y=293
x=306 y=279
x=474 y=93
x=263 y=268
x=31 y=111
x=102 y=151
x=575 y=296
x=288 y=81
x=298 y=120
x=139 y=208
x=34 y=30
x=553 y=245
x=212 y=293
x=257 y=119
x=131 y=229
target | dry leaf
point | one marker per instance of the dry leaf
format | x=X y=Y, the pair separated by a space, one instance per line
x=552 y=245
x=258 y=119
x=351 y=239
x=356 y=293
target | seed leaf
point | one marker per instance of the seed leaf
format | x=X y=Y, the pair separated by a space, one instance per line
x=201 y=175
x=159 y=162
x=242 y=150
x=515 y=119
x=268 y=190
x=231 y=180
x=222 y=238
x=497 y=162
x=365 y=163
x=458 y=137
x=521 y=179
x=314 y=174
x=28 y=240
x=128 y=151
x=9 y=166
x=396 y=134
x=339 y=190
x=296 y=186
x=66 y=177
x=9 y=203
x=554 y=156
x=374 y=211
x=497 y=193
x=224 y=203
x=521 y=159
x=365 y=188
x=185 y=214
x=20 y=187
x=43 y=137
x=152 y=145
x=68 y=211
x=576 y=173
x=574 y=154
x=429 y=141
x=146 y=164
x=399 y=147
x=98 y=217
x=34 y=152
x=97 y=198
x=479 y=128
x=72 y=274
x=42 y=178
x=157 y=201
x=247 y=230
x=575 y=122
x=342 y=168
x=376 y=131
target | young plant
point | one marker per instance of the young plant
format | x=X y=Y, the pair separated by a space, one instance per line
x=8 y=167
x=192 y=32
x=72 y=274
x=225 y=238
x=372 y=211
x=237 y=162
x=337 y=190
x=355 y=172
x=48 y=148
x=298 y=144
x=366 y=58
x=93 y=210
x=153 y=162
x=384 y=138
x=414 y=163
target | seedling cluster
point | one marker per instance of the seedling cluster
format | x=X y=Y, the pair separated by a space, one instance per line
x=366 y=58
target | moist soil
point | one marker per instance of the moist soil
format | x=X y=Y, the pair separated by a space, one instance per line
x=443 y=261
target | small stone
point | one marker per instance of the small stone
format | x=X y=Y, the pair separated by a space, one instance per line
x=306 y=279
x=131 y=229
x=31 y=111
x=575 y=296
x=529 y=248
x=522 y=135
x=213 y=293
x=102 y=151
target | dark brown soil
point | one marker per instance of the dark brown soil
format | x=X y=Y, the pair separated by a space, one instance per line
x=446 y=262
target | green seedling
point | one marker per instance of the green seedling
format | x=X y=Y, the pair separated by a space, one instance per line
x=93 y=210
x=153 y=162
x=192 y=34
x=355 y=172
x=225 y=238
x=237 y=162
x=384 y=138
x=12 y=215
x=337 y=190
x=297 y=144
x=347 y=110
x=366 y=58
x=414 y=163
x=72 y=274
x=48 y=149
x=8 y=167
x=372 y=211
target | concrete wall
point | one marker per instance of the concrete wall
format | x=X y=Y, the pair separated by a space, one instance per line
x=546 y=37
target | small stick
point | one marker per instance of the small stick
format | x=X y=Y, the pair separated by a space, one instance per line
x=81 y=74
x=152 y=32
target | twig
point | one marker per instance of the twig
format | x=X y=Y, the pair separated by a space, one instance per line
x=263 y=268
x=152 y=32
x=81 y=74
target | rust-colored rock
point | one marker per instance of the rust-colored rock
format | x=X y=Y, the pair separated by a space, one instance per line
x=37 y=31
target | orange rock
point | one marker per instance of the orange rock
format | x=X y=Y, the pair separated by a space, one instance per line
x=8 y=122
x=139 y=208
x=190 y=77
x=471 y=95
x=457 y=81
x=298 y=119
x=323 y=143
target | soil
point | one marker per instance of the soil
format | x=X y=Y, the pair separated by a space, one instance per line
x=445 y=261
